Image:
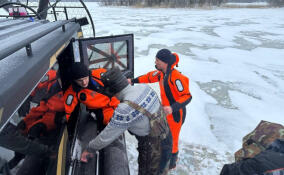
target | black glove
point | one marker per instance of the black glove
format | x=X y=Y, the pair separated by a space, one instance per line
x=21 y=125
x=36 y=130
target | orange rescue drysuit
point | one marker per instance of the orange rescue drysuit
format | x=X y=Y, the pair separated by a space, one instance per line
x=91 y=97
x=45 y=113
x=174 y=89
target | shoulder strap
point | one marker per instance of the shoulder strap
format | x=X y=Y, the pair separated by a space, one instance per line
x=159 y=125
x=139 y=108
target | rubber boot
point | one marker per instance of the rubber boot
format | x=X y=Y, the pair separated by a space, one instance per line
x=173 y=162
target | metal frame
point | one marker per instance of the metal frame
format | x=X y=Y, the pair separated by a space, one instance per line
x=90 y=17
x=54 y=6
x=22 y=5
x=85 y=43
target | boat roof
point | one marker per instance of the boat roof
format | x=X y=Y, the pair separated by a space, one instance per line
x=27 y=51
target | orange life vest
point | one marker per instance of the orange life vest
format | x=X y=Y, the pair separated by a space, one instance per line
x=92 y=98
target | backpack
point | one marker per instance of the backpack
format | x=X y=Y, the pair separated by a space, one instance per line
x=158 y=121
x=259 y=139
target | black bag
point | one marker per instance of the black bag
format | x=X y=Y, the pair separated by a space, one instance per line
x=269 y=160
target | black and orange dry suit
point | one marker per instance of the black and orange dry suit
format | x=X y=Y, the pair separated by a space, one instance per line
x=91 y=96
x=39 y=92
x=45 y=113
x=174 y=89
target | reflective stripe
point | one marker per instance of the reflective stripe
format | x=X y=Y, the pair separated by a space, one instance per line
x=69 y=99
x=155 y=73
x=179 y=85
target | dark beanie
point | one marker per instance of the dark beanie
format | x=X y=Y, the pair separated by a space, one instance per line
x=114 y=81
x=166 y=56
x=79 y=70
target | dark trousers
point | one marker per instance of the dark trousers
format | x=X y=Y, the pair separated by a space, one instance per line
x=166 y=154
x=154 y=155
x=32 y=165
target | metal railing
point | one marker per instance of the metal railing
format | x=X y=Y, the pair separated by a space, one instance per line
x=11 y=47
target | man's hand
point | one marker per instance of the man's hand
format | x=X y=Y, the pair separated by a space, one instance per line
x=168 y=110
x=129 y=81
x=86 y=155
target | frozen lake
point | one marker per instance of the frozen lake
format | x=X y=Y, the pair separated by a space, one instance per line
x=234 y=59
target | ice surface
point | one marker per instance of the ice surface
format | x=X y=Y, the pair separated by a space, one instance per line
x=234 y=59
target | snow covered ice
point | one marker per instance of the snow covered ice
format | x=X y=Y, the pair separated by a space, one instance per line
x=234 y=59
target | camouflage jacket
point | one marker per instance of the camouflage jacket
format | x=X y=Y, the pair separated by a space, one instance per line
x=259 y=139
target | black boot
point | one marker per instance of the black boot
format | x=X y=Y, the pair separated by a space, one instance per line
x=173 y=162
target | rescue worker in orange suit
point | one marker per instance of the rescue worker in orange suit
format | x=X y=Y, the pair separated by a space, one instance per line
x=175 y=94
x=41 y=119
x=39 y=123
x=39 y=92
x=87 y=88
